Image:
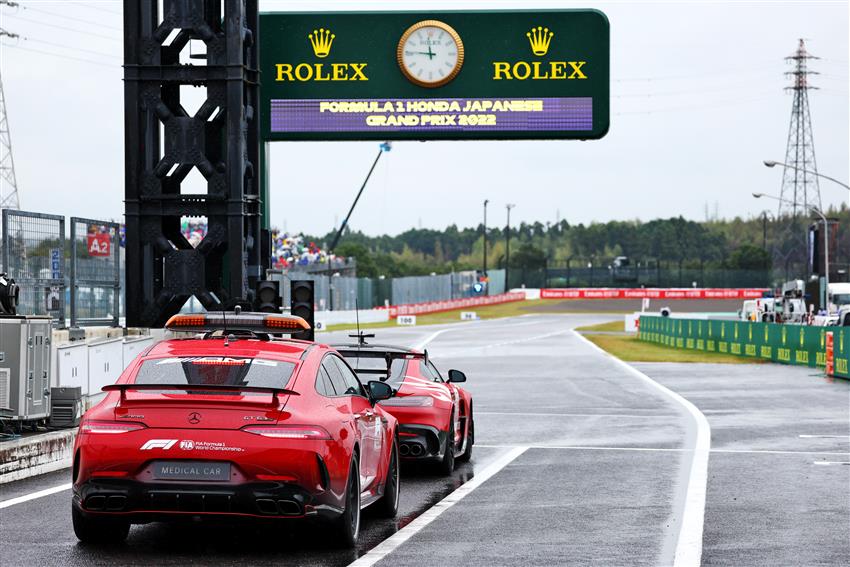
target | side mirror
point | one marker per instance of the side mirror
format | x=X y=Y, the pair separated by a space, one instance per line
x=456 y=376
x=379 y=390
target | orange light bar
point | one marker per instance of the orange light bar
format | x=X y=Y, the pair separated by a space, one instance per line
x=243 y=321
x=186 y=321
x=286 y=322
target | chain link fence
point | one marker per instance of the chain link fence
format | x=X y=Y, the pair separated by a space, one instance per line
x=33 y=253
x=95 y=289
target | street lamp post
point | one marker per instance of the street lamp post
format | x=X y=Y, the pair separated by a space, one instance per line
x=825 y=293
x=485 y=236
x=508 y=248
x=772 y=163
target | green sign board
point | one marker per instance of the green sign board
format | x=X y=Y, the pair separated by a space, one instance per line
x=434 y=76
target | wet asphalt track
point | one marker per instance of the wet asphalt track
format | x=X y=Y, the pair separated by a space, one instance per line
x=601 y=482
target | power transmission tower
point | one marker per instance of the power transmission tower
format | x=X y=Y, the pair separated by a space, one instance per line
x=799 y=180
x=800 y=188
x=8 y=183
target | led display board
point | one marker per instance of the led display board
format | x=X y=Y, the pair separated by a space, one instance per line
x=434 y=75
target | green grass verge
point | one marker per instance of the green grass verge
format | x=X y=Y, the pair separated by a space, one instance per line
x=605 y=327
x=513 y=309
x=630 y=349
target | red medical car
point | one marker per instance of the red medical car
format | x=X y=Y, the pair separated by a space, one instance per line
x=235 y=423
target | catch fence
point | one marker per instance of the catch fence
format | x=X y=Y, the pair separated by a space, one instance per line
x=34 y=255
x=95 y=290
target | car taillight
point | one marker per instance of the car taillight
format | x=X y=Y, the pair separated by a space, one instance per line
x=109 y=427
x=289 y=431
x=409 y=402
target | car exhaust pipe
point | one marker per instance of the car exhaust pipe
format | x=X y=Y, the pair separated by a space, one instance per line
x=404 y=449
x=416 y=450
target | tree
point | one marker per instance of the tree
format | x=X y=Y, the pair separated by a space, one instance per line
x=747 y=257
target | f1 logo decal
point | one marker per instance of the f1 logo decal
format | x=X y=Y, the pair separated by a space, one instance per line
x=158 y=444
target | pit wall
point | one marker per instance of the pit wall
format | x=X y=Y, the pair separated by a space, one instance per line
x=783 y=343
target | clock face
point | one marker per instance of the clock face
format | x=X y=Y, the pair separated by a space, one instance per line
x=430 y=53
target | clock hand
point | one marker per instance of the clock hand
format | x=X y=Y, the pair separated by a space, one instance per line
x=430 y=53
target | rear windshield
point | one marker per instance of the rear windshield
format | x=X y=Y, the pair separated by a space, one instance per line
x=367 y=363
x=216 y=370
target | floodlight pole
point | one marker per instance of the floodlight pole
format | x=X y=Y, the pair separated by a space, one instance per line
x=485 y=236
x=508 y=248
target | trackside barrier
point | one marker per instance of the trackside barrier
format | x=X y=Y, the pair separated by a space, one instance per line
x=451 y=304
x=784 y=343
x=651 y=293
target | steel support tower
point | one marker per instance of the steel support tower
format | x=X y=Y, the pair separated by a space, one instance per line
x=799 y=182
x=8 y=182
x=163 y=143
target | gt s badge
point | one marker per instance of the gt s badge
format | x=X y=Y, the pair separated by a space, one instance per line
x=158 y=444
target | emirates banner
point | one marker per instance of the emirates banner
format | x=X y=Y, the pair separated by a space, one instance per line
x=652 y=293
x=451 y=304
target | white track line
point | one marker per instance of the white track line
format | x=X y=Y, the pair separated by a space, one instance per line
x=422 y=344
x=831 y=463
x=666 y=450
x=390 y=544
x=689 y=543
x=34 y=495
x=533 y=414
x=824 y=436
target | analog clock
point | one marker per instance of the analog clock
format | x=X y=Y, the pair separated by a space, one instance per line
x=430 y=53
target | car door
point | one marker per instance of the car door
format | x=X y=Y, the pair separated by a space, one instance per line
x=351 y=403
x=369 y=419
x=453 y=391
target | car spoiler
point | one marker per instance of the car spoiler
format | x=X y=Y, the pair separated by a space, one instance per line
x=275 y=392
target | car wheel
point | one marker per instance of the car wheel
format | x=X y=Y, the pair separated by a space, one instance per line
x=348 y=524
x=470 y=439
x=447 y=463
x=99 y=530
x=388 y=504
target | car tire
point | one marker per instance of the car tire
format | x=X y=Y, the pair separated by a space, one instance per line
x=470 y=439
x=98 y=530
x=348 y=524
x=446 y=466
x=387 y=506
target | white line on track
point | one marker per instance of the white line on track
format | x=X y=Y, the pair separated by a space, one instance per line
x=824 y=436
x=390 y=544
x=34 y=495
x=689 y=543
x=665 y=449
x=422 y=344
x=831 y=463
x=532 y=414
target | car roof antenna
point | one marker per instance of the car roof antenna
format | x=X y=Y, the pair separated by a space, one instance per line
x=360 y=335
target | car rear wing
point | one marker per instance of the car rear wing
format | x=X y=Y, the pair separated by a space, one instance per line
x=387 y=356
x=275 y=392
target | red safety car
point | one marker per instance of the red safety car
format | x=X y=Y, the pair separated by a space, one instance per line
x=235 y=424
x=434 y=413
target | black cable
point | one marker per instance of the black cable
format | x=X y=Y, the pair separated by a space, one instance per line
x=113 y=38
x=73 y=19
x=98 y=8
x=63 y=46
x=113 y=66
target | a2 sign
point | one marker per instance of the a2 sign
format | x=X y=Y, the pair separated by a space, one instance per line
x=99 y=244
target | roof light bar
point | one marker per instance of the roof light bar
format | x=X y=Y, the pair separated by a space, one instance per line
x=232 y=321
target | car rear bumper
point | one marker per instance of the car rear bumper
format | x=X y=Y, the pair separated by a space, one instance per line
x=420 y=442
x=142 y=502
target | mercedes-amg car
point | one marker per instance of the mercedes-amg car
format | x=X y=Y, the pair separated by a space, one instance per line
x=235 y=423
x=434 y=414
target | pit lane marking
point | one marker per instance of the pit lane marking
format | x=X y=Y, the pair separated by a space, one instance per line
x=688 y=549
x=34 y=495
x=390 y=544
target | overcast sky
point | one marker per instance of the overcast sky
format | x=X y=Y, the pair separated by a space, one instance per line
x=697 y=104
